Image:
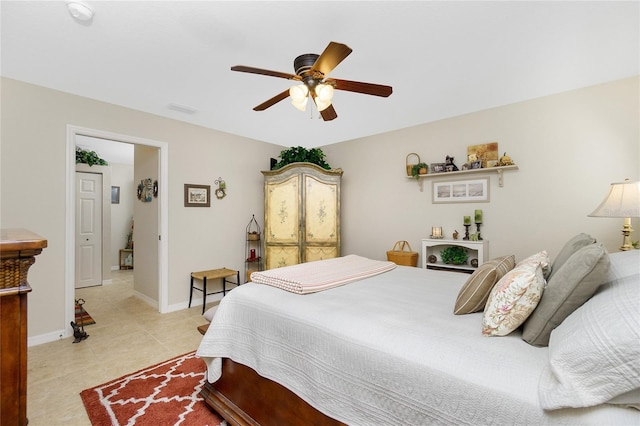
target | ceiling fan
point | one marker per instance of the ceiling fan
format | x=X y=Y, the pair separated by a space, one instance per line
x=311 y=70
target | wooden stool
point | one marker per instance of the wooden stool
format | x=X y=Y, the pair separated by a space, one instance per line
x=212 y=274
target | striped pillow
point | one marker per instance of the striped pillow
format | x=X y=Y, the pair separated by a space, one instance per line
x=474 y=293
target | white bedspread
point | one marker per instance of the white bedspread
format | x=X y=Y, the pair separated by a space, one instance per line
x=321 y=275
x=388 y=351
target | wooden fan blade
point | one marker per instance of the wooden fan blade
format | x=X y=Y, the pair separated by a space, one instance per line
x=277 y=98
x=329 y=113
x=252 y=70
x=333 y=54
x=360 y=87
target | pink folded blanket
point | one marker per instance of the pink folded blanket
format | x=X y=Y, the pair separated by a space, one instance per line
x=321 y=275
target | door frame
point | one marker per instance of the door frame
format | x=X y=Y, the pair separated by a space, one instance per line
x=163 y=231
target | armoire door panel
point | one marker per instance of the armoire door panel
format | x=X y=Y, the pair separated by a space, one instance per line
x=321 y=205
x=282 y=212
x=279 y=256
x=320 y=253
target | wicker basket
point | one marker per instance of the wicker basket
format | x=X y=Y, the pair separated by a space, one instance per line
x=13 y=272
x=410 y=165
x=399 y=256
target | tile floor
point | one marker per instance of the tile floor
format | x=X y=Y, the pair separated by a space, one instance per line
x=128 y=335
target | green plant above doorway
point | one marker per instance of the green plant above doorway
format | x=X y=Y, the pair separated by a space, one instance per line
x=299 y=154
x=89 y=157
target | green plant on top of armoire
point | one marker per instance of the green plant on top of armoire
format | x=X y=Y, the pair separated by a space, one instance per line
x=89 y=157
x=299 y=154
x=455 y=255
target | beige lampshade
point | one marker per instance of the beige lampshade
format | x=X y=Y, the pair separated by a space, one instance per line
x=623 y=200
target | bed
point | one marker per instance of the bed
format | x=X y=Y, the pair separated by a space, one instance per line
x=388 y=349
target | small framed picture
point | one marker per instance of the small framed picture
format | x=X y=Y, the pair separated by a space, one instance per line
x=115 y=195
x=438 y=167
x=461 y=191
x=476 y=164
x=197 y=195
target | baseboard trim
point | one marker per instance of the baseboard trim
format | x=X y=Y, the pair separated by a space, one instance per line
x=146 y=299
x=49 y=337
x=197 y=301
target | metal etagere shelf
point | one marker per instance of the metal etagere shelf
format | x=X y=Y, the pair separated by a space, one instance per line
x=253 y=249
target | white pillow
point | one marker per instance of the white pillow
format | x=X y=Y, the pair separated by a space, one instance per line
x=541 y=258
x=594 y=355
x=624 y=264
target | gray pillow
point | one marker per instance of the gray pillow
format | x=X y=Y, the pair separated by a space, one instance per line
x=570 y=286
x=570 y=247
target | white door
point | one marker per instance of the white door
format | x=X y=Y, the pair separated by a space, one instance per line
x=88 y=229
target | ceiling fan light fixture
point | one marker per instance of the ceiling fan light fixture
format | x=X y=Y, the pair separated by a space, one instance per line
x=301 y=105
x=324 y=92
x=322 y=104
x=299 y=96
x=299 y=93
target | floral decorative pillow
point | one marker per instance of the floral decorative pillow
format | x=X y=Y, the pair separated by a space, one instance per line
x=513 y=299
x=542 y=258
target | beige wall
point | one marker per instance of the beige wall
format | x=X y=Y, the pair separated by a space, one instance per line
x=146 y=218
x=569 y=147
x=122 y=213
x=33 y=186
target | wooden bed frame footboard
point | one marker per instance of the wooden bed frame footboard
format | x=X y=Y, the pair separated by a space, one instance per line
x=243 y=397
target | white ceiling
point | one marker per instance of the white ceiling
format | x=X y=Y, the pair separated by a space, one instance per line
x=443 y=58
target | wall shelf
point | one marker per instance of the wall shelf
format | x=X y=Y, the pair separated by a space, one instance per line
x=499 y=170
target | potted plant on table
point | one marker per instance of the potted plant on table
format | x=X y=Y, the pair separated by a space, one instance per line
x=455 y=255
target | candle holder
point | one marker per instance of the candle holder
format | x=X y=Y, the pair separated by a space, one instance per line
x=436 y=233
x=466 y=232
x=478 y=228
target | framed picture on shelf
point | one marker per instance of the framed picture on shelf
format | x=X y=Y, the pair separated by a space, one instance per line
x=197 y=195
x=486 y=153
x=461 y=191
x=438 y=167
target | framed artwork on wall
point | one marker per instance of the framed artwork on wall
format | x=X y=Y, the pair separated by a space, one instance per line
x=197 y=195
x=461 y=191
x=115 y=195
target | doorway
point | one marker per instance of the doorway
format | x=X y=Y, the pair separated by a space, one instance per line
x=162 y=228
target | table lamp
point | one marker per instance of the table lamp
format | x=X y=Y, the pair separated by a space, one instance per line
x=623 y=201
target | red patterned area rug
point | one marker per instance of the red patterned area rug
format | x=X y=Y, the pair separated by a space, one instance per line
x=82 y=317
x=163 y=394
